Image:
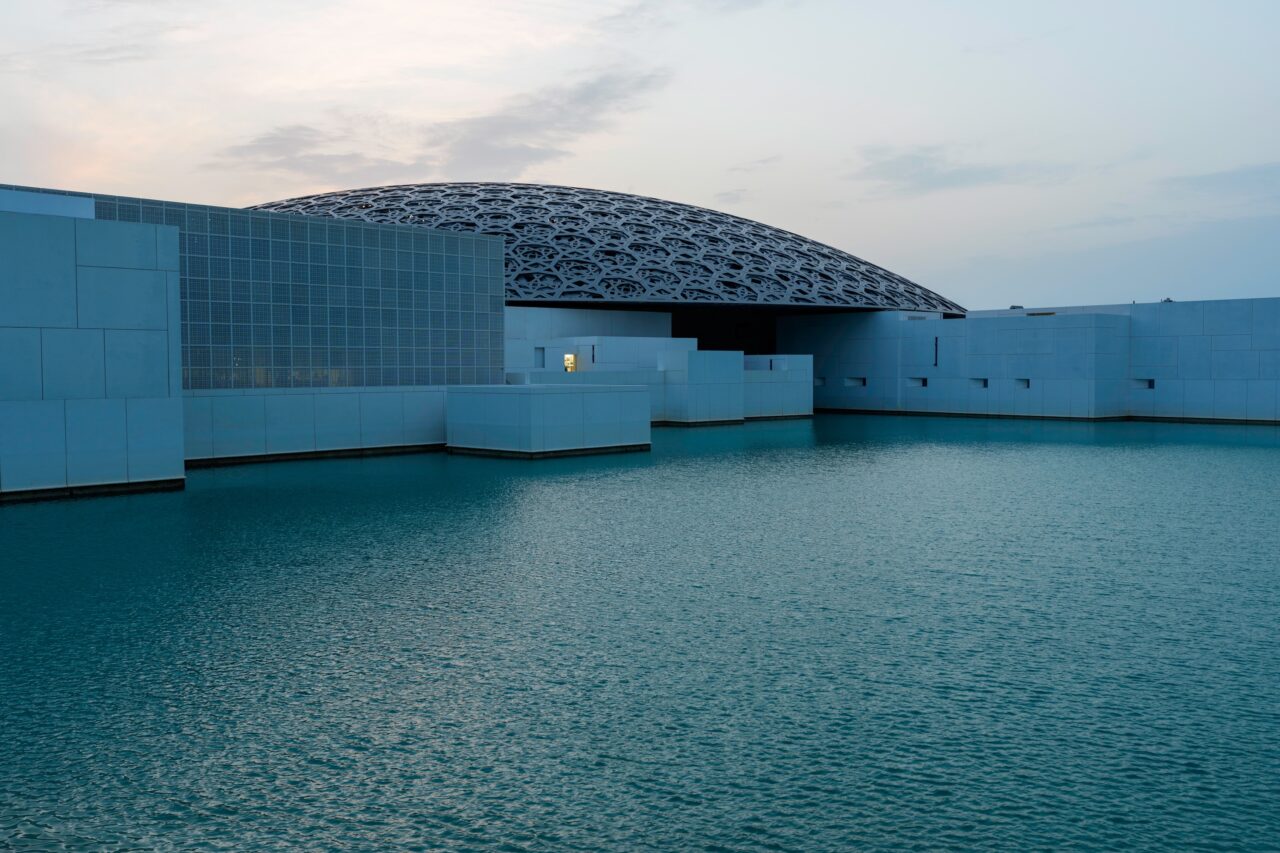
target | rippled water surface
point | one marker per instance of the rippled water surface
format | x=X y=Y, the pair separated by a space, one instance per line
x=850 y=632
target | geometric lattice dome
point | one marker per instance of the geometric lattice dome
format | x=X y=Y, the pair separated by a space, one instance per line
x=565 y=244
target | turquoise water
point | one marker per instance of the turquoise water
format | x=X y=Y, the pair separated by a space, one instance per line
x=852 y=632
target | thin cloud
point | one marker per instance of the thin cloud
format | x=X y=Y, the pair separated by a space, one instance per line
x=317 y=155
x=635 y=17
x=1260 y=179
x=757 y=165
x=526 y=131
x=538 y=127
x=1099 y=222
x=926 y=169
x=279 y=143
x=643 y=15
x=1122 y=222
x=732 y=5
x=731 y=196
x=117 y=46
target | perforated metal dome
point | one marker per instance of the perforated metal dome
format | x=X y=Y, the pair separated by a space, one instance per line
x=566 y=244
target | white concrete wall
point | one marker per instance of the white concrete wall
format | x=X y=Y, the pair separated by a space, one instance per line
x=703 y=385
x=261 y=422
x=546 y=419
x=695 y=385
x=777 y=386
x=90 y=373
x=593 y=352
x=47 y=204
x=1216 y=360
x=604 y=353
x=1054 y=366
x=651 y=379
x=600 y=361
x=525 y=323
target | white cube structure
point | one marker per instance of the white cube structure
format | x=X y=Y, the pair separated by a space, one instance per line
x=702 y=386
x=533 y=421
x=778 y=386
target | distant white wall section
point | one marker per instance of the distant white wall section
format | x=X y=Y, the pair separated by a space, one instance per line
x=46 y=204
x=523 y=323
x=544 y=420
x=1207 y=360
x=241 y=424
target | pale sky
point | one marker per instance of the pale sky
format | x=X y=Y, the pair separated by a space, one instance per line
x=1029 y=152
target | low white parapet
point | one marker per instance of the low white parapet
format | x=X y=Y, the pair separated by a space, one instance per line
x=263 y=424
x=778 y=386
x=546 y=420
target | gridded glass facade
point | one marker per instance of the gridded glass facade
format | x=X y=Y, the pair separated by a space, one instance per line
x=273 y=300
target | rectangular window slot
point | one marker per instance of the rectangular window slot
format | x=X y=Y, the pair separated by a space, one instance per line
x=1145 y=384
x=1041 y=313
x=935 y=351
x=918 y=381
x=980 y=382
x=856 y=381
x=1022 y=383
x=819 y=381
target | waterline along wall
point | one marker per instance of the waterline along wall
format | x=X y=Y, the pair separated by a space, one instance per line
x=222 y=427
x=1209 y=360
x=290 y=334
x=139 y=338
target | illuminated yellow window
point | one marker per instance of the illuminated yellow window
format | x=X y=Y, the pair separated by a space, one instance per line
x=570 y=362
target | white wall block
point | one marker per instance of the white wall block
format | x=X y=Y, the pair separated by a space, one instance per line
x=47 y=204
x=37 y=270
x=1206 y=360
x=85 y=322
x=137 y=363
x=20 y=364
x=290 y=423
x=197 y=427
x=33 y=451
x=239 y=425
x=381 y=420
x=114 y=298
x=97 y=444
x=258 y=422
x=424 y=417
x=528 y=323
x=74 y=363
x=155 y=439
x=115 y=244
x=337 y=421
x=546 y=419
